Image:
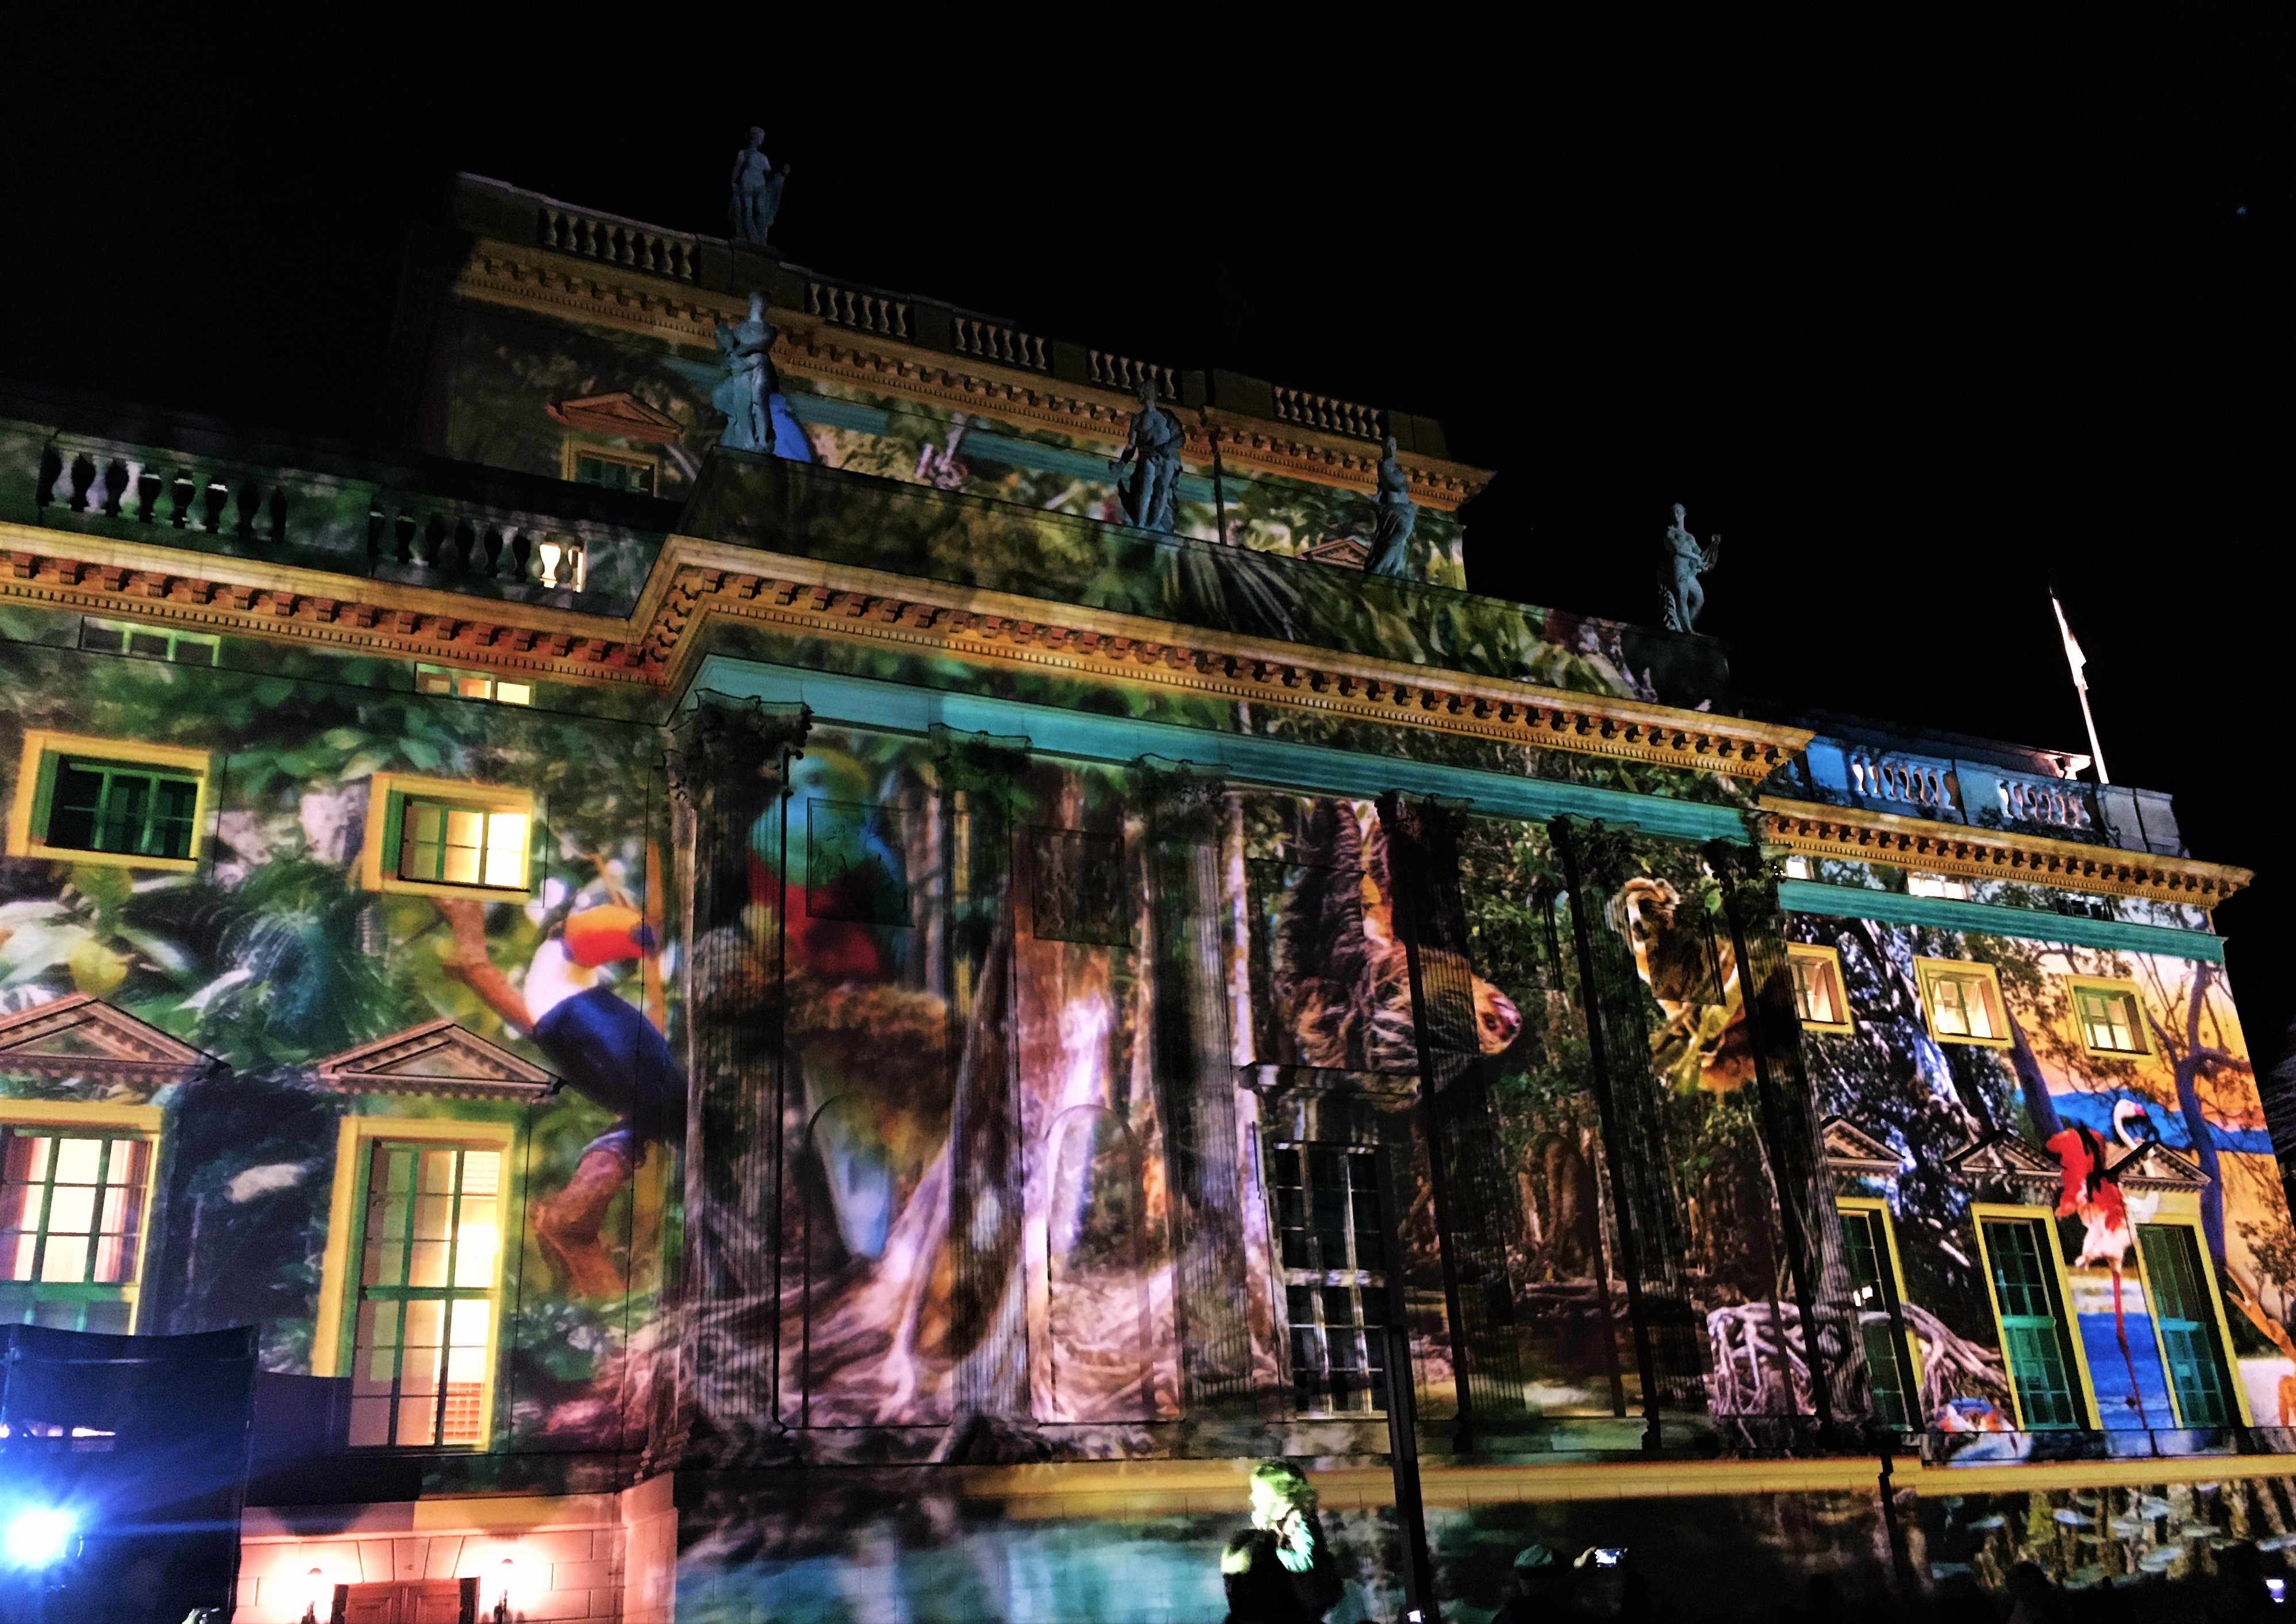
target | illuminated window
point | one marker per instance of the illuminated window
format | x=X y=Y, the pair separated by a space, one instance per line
x=2188 y=1322
x=430 y=1260
x=442 y=838
x=2109 y=1018
x=613 y=470
x=1332 y=1236
x=2026 y=1275
x=109 y=801
x=150 y=642
x=71 y=1225
x=1963 y=1001
x=1798 y=867
x=1818 y=997
x=1918 y=884
x=1876 y=1290
x=472 y=685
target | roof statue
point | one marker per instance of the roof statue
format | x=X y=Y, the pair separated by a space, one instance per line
x=745 y=394
x=1153 y=448
x=1391 y=544
x=757 y=188
x=1682 y=597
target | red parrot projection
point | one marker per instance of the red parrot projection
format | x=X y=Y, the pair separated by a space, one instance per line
x=604 y=1049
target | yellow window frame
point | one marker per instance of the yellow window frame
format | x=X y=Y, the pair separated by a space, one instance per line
x=386 y=805
x=2192 y=1221
x=144 y=1121
x=1978 y=1212
x=42 y=748
x=2078 y=984
x=1929 y=971
x=332 y=1336
x=1814 y=953
x=576 y=448
x=1875 y=1204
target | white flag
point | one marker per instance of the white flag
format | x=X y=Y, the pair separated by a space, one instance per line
x=2073 y=654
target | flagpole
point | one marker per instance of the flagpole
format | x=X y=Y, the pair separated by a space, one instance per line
x=2079 y=661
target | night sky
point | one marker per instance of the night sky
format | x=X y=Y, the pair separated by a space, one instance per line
x=1918 y=316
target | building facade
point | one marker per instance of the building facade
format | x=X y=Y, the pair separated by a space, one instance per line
x=836 y=1031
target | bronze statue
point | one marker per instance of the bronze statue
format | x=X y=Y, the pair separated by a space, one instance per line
x=1153 y=448
x=1390 y=543
x=745 y=394
x=757 y=191
x=1681 y=595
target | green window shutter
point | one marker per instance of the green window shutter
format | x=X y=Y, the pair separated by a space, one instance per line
x=2187 y=1322
x=2034 y=1334
x=1888 y=1373
x=132 y=810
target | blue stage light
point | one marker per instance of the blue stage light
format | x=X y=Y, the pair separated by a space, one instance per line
x=40 y=1536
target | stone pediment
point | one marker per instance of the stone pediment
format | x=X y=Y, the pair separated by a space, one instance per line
x=1345 y=552
x=437 y=1058
x=1850 y=1150
x=2005 y=1158
x=617 y=414
x=2155 y=1167
x=83 y=1036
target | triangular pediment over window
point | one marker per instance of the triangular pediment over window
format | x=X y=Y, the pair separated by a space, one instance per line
x=617 y=414
x=85 y=1036
x=2005 y=1158
x=1850 y=1150
x=2156 y=1167
x=436 y=1058
x=1344 y=551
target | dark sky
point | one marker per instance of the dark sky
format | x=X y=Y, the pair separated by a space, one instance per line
x=1915 y=314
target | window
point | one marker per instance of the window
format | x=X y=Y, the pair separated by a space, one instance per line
x=109 y=801
x=2186 y=1318
x=73 y=1196
x=442 y=838
x=1919 y=884
x=150 y=642
x=1963 y=1001
x=431 y=1253
x=1818 y=997
x=1332 y=1239
x=1877 y=1288
x=613 y=470
x=1798 y=867
x=2108 y=1018
x=472 y=685
x=2026 y=1275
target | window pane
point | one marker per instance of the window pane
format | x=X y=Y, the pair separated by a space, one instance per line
x=127 y=801
x=64 y=1259
x=506 y=849
x=514 y=693
x=1951 y=1012
x=2186 y=1314
x=465 y=834
x=77 y=1161
x=72 y=807
x=421 y=841
x=171 y=830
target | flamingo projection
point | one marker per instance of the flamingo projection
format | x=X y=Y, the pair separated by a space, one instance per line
x=2090 y=1191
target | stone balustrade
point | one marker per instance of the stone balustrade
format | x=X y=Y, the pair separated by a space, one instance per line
x=1983 y=794
x=858 y=308
x=1115 y=372
x=1321 y=412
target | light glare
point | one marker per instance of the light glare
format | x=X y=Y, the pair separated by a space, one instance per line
x=39 y=1536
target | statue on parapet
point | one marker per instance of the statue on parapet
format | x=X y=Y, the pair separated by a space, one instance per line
x=757 y=191
x=1153 y=448
x=745 y=394
x=1396 y=513
x=1682 y=597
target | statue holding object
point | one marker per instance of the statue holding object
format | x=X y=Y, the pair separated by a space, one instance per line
x=1682 y=597
x=1153 y=448
x=1390 y=543
x=757 y=191
x=745 y=394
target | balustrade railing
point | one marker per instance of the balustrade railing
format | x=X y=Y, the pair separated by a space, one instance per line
x=2065 y=805
x=1322 y=412
x=617 y=241
x=987 y=341
x=1123 y=372
x=300 y=515
x=1950 y=789
x=1912 y=782
x=857 y=308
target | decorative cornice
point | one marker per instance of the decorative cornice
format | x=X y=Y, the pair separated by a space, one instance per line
x=694 y=579
x=993 y=628
x=576 y=290
x=1991 y=854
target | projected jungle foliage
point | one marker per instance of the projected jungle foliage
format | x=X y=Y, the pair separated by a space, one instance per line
x=273 y=957
x=2138 y=1138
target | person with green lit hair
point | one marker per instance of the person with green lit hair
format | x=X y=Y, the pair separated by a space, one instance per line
x=1283 y=1504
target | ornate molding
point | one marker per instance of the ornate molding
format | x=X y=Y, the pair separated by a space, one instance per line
x=577 y=290
x=438 y=1059
x=694 y=580
x=1990 y=854
x=78 y=1036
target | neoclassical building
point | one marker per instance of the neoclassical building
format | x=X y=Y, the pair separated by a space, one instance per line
x=838 y=1030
